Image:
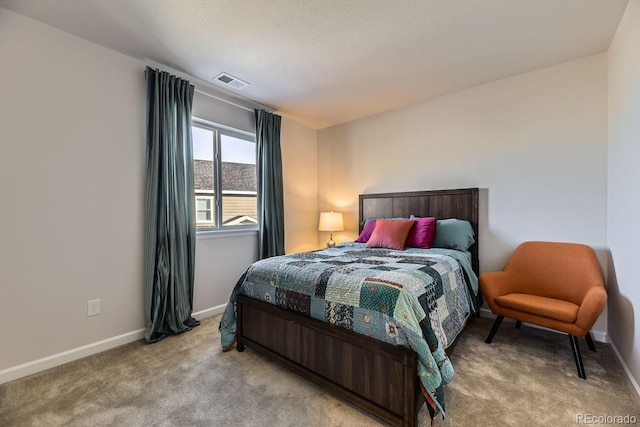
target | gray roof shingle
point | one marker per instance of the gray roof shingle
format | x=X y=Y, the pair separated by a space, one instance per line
x=235 y=176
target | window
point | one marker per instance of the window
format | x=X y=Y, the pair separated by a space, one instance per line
x=204 y=211
x=224 y=169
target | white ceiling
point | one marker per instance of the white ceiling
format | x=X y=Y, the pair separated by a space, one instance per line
x=324 y=62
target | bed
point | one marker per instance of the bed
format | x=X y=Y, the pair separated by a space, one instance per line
x=331 y=336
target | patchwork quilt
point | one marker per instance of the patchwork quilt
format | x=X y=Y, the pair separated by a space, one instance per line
x=416 y=298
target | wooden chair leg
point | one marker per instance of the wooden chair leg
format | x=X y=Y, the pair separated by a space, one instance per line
x=494 y=329
x=575 y=346
x=589 y=339
x=518 y=324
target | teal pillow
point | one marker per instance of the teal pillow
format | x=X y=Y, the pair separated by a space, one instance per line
x=454 y=234
x=371 y=218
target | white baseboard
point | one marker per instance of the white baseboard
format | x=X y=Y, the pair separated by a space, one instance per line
x=39 y=365
x=630 y=376
x=54 y=360
x=597 y=336
x=213 y=311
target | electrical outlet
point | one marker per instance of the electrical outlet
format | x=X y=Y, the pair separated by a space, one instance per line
x=93 y=307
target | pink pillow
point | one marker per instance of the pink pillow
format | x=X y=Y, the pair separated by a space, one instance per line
x=422 y=234
x=390 y=234
x=366 y=231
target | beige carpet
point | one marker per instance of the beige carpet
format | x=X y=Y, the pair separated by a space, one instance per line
x=525 y=377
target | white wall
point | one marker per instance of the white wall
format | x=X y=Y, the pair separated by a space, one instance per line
x=536 y=144
x=72 y=150
x=220 y=261
x=72 y=167
x=299 y=145
x=623 y=233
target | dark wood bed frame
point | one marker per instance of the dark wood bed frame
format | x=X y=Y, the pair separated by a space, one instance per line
x=378 y=377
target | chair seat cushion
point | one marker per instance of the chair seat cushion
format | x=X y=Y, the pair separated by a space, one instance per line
x=551 y=308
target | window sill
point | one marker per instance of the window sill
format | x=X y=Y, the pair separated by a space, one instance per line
x=217 y=234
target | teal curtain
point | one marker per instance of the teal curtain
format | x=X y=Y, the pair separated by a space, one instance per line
x=170 y=235
x=269 y=179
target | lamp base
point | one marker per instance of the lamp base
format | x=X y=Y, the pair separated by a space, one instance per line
x=331 y=243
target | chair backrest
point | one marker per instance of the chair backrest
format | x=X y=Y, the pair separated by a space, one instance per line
x=563 y=271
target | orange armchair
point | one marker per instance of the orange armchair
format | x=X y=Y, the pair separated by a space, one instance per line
x=555 y=285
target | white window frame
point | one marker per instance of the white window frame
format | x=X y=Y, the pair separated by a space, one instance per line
x=218 y=131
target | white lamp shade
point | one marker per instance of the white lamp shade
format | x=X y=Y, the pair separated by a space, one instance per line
x=331 y=221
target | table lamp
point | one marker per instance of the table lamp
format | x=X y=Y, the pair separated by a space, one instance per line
x=331 y=221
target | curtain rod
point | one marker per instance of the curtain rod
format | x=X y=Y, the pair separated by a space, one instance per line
x=233 y=103
x=223 y=100
x=195 y=81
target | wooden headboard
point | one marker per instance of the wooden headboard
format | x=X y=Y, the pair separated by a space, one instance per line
x=442 y=204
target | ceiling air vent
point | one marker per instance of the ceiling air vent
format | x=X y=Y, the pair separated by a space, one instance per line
x=229 y=80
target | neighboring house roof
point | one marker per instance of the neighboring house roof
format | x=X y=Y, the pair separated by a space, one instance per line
x=203 y=174
x=235 y=176
x=238 y=177
x=241 y=220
